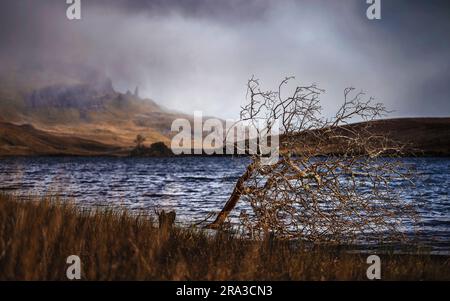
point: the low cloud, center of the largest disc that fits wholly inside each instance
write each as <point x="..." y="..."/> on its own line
<point x="198" y="55"/>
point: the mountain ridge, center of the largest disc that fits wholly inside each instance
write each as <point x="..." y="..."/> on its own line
<point x="85" y="114"/>
<point x="87" y="108"/>
<point x="421" y="136"/>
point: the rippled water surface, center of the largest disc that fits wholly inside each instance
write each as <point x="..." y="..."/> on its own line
<point x="192" y="186"/>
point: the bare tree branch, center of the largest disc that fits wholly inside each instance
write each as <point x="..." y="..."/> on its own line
<point x="331" y="182"/>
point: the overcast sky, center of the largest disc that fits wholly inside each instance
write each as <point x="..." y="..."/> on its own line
<point x="197" y="55"/>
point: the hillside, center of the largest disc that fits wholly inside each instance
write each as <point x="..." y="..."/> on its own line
<point x="417" y="136"/>
<point x="422" y="136"/>
<point x="82" y="113"/>
<point x="82" y="105"/>
<point x="25" y="140"/>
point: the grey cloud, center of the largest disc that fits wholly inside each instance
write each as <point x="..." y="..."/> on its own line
<point x="191" y="55"/>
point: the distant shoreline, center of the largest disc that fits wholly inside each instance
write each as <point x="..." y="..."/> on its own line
<point x="424" y="137"/>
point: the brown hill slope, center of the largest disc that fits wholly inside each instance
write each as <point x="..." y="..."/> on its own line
<point x="418" y="136"/>
<point x="85" y="106"/>
<point x="423" y="136"/>
<point x="69" y="109"/>
<point x="25" y="140"/>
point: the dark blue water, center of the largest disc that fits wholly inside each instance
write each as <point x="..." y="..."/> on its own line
<point x="194" y="186"/>
<point x="191" y="186"/>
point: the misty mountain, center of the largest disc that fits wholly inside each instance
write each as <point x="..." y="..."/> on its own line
<point x="85" y="104"/>
<point x="81" y="96"/>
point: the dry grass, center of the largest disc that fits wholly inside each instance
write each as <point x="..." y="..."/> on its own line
<point x="37" y="237"/>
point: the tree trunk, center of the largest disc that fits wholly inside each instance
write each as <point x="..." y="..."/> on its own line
<point x="234" y="198"/>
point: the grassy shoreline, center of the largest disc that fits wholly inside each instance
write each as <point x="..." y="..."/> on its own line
<point x="37" y="237"/>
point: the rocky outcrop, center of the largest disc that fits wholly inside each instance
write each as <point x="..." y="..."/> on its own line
<point x="158" y="149"/>
<point x="79" y="96"/>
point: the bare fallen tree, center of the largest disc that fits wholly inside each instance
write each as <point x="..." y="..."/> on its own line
<point x="331" y="182"/>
